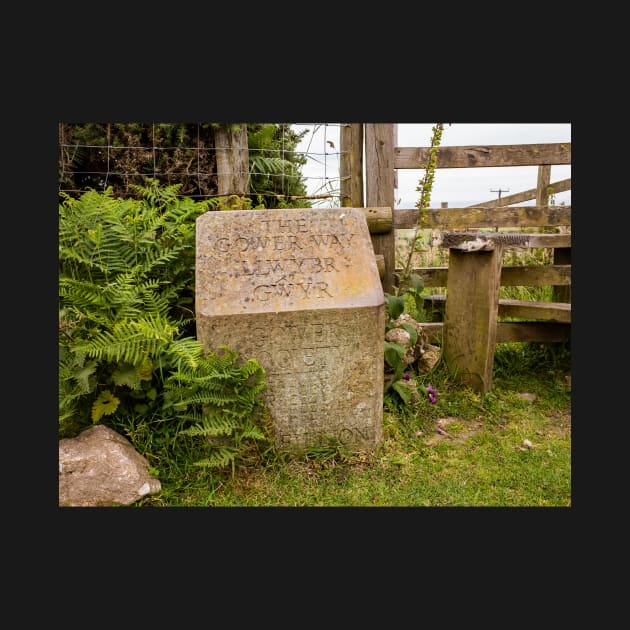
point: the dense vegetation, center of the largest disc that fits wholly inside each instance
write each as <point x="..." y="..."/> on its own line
<point x="123" y="155"/>
<point x="126" y="326"/>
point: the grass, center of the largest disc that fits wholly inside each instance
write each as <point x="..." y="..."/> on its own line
<point x="510" y="447"/>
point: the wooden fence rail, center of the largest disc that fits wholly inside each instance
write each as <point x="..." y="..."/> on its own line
<point x="471" y="329"/>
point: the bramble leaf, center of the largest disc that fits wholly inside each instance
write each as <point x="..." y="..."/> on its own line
<point x="394" y="353"/>
<point x="395" y="305"/>
<point x="404" y="390"/>
<point x="84" y="376"/>
<point x="126" y="375"/>
<point x="105" y="405"/>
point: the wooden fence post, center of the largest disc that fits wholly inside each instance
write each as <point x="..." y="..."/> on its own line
<point x="542" y="186"/>
<point x="232" y="153"/>
<point x="561" y="255"/>
<point x="379" y="188"/>
<point x="470" y="316"/>
<point x="351" y="165"/>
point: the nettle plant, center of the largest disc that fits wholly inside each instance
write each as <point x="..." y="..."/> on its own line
<point x="409" y="292"/>
<point x="126" y="324"/>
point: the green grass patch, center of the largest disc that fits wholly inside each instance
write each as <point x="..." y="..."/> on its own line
<point x="508" y="448"/>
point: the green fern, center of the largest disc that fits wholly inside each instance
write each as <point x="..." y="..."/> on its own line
<point x="126" y="274"/>
<point x="219" y="397"/>
<point x="130" y="341"/>
<point x="220" y="457"/>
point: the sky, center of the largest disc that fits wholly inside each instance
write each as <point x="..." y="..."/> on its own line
<point x="458" y="187"/>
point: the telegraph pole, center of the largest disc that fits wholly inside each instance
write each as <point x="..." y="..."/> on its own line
<point x="500" y="191"/>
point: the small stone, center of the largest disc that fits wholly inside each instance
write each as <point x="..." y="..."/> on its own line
<point x="101" y="468"/>
<point x="527" y="396"/>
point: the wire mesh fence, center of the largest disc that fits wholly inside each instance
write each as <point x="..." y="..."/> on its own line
<point x="300" y="163"/>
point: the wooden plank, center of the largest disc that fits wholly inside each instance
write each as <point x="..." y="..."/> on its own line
<point x="525" y="276"/>
<point x="351" y="165"/>
<point x="557" y="187"/>
<point x="539" y="332"/>
<point x="523" y="309"/>
<point x="432" y="276"/>
<point x="536" y="332"/>
<point x="379" y="220"/>
<point x="379" y="173"/>
<point x="536" y="276"/>
<point x="482" y="156"/>
<point x="470" y="315"/>
<point x="481" y="217"/>
<point x="547" y="311"/>
<point x="435" y="332"/>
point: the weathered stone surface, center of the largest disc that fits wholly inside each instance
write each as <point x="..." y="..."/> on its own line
<point x="99" y="467"/>
<point x="299" y="290"/>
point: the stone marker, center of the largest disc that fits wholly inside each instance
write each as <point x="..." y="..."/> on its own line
<point x="299" y="291"/>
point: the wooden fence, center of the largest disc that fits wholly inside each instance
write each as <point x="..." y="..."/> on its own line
<point x="475" y="271"/>
<point x="470" y="305"/>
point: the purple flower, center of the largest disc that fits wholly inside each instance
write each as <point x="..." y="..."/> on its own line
<point x="432" y="398"/>
<point x="431" y="391"/>
<point x="406" y="377"/>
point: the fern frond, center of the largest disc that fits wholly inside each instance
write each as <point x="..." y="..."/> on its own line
<point x="130" y="341"/>
<point x="156" y="194"/>
<point x="225" y="426"/>
<point x="252" y="432"/>
<point x="219" y="457"/>
<point x="187" y="210"/>
<point x="271" y="165"/>
<point x="186" y="353"/>
<point x="84" y="297"/>
<point x="203" y="397"/>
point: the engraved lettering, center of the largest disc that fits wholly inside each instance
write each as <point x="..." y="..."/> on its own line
<point x="223" y="244"/>
<point x="294" y="242"/>
<point x="344" y="436"/>
<point x="241" y="244"/>
<point x="318" y="239"/>
<point x="283" y="242"/>
<point x="305" y="288"/>
<point x="322" y="287"/>
<point x="263" y="292"/>
<point x="260" y="242"/>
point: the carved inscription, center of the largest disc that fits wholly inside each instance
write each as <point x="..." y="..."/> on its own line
<point x="295" y="272"/>
<point x="324" y="380"/>
<point x="302" y="261"/>
<point x="299" y="291"/>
